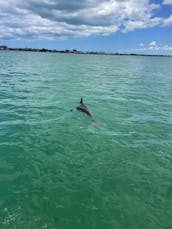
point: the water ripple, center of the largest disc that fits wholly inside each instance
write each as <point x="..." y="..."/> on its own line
<point x="58" y="172"/>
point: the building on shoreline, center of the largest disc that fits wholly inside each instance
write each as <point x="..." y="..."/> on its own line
<point x="3" y="47"/>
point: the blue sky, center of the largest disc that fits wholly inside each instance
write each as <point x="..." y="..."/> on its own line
<point x="126" y="26"/>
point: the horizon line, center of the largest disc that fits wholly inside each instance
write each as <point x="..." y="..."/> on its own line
<point x="75" y="51"/>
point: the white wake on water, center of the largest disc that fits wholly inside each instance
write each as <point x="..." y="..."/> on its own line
<point x="96" y="124"/>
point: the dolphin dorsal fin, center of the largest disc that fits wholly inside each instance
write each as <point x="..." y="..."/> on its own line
<point x="81" y="101"/>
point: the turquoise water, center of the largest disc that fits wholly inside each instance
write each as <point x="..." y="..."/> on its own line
<point x="58" y="171"/>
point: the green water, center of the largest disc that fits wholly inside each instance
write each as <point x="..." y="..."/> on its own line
<point x="59" y="172"/>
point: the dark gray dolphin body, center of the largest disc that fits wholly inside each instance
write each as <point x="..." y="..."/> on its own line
<point x="83" y="108"/>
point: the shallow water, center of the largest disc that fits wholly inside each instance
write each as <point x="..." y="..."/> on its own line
<point x="57" y="170"/>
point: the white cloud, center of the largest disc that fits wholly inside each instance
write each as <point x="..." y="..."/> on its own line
<point x="152" y="44"/>
<point x="168" y="21"/>
<point x="167" y="2"/>
<point x="154" y="48"/>
<point x="141" y="24"/>
<point x="52" y="19"/>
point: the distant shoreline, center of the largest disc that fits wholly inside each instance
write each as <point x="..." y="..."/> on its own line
<point x="74" y="51"/>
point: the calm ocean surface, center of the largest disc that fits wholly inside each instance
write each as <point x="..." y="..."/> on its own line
<point x="59" y="172"/>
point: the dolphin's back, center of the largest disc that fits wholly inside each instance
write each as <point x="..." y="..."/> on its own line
<point x="82" y="107"/>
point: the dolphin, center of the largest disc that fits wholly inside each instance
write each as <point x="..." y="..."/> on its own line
<point x="83" y="108"/>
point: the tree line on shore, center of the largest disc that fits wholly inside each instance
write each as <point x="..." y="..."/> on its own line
<point x="74" y="51"/>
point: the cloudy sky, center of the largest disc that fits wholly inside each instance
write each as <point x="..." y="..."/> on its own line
<point x="140" y="26"/>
